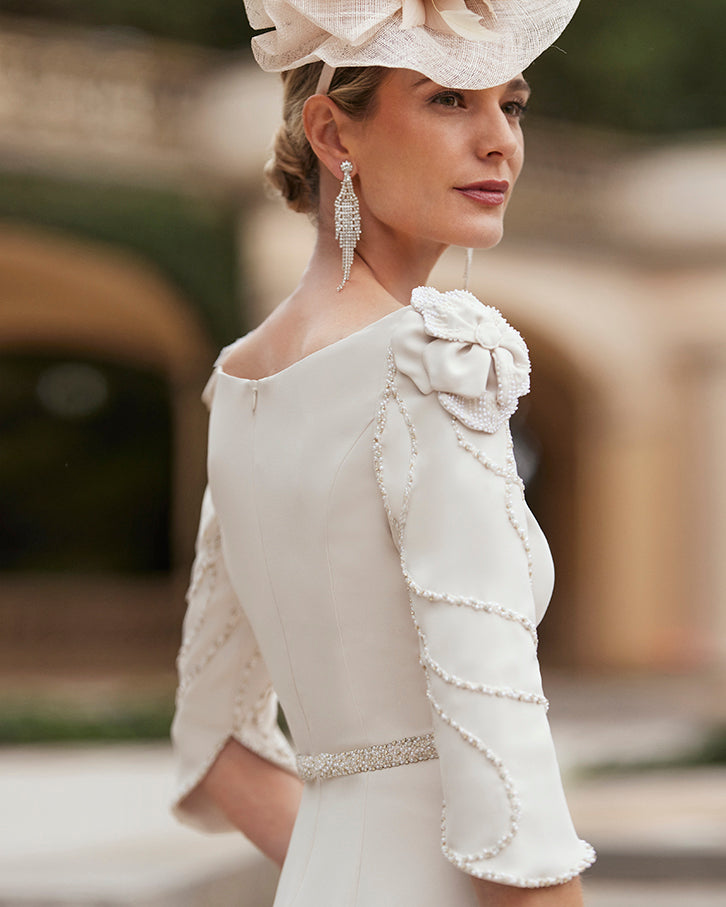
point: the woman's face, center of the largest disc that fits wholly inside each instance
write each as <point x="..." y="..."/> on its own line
<point x="438" y="164"/>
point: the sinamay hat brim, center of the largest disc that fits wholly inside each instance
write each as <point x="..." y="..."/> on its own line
<point x="369" y="33"/>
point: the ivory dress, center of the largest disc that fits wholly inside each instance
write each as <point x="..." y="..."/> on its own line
<point x="365" y="551"/>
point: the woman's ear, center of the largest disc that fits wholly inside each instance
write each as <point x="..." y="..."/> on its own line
<point x="325" y="124"/>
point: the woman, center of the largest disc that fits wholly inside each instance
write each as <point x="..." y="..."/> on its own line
<point x="363" y="504"/>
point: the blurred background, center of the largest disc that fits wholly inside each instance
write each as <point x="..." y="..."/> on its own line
<point x="136" y="239"/>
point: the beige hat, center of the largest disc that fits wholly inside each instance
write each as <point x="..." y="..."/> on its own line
<point x="467" y="45"/>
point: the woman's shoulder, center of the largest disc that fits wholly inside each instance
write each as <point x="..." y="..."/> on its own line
<point x="257" y="353"/>
<point x="281" y="348"/>
<point x="292" y="333"/>
<point x="447" y="343"/>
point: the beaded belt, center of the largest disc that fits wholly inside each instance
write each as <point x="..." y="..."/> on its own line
<point x="367" y="758"/>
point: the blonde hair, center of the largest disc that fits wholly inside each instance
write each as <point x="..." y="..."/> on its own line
<point x="293" y="168"/>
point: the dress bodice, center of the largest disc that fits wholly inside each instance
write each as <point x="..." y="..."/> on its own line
<point x="308" y="548"/>
<point x="366" y="550"/>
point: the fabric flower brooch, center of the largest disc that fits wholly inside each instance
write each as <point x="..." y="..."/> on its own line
<point x="467" y="353"/>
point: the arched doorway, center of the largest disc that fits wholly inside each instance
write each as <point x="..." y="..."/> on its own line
<point x="76" y="319"/>
<point x="600" y="416"/>
<point x="545" y="425"/>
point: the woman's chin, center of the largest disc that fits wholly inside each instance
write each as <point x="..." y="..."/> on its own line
<point x="480" y="240"/>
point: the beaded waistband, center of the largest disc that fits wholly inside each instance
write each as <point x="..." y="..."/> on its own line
<point x="367" y="758"/>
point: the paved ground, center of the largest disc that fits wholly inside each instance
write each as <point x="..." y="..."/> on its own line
<point x="622" y="894"/>
<point x="89" y="827"/>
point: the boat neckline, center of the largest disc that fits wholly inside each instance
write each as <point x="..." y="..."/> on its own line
<point x="328" y="348"/>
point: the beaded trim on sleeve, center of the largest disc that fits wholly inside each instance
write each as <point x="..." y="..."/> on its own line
<point x="248" y="720"/>
<point x="246" y="727"/>
<point x="508" y="473"/>
<point x="511" y="481"/>
<point x="203" y="570"/>
<point x="190" y="675"/>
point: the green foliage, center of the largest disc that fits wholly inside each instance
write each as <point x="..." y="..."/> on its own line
<point x="51" y="721"/>
<point x="651" y="66"/>
<point x="215" y="23"/>
<point x="191" y="240"/>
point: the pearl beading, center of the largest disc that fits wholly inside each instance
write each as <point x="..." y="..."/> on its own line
<point x="204" y="568"/>
<point x="470" y="686"/>
<point x="239" y="714"/>
<point x="248" y="726"/>
<point x="241" y="730"/>
<point x="512" y="480"/>
<point x="508" y="473"/>
<point x="250" y="718"/>
<point x="481" y="413"/>
<point x="515" y="808"/>
<point x="195" y="670"/>
<point x="475" y="604"/>
<point x="377" y="756"/>
<point x="459" y="317"/>
<point x="463" y="860"/>
<point x="509" y="504"/>
<point x="506" y="878"/>
<point x="390" y="392"/>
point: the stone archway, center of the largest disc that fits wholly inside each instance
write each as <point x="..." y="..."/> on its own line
<point x="59" y="294"/>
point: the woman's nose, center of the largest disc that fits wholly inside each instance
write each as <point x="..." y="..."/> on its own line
<point x="498" y="135"/>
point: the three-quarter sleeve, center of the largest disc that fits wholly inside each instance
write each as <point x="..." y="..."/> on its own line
<point x="224" y="689"/>
<point x="446" y="471"/>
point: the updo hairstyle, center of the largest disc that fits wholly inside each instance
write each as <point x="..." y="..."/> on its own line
<point x="293" y="168"/>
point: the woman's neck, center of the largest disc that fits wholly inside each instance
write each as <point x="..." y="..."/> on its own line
<point x="385" y="263"/>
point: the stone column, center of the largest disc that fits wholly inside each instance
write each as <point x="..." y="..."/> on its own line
<point x="705" y="473"/>
<point x="629" y="573"/>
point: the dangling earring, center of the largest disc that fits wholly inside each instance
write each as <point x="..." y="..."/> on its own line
<point x="347" y="220"/>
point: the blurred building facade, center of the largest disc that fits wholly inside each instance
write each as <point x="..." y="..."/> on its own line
<point x="613" y="269"/>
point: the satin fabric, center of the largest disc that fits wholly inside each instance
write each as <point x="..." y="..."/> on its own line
<point x="318" y="545"/>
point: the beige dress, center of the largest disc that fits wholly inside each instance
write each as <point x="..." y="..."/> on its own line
<point x="365" y="551"/>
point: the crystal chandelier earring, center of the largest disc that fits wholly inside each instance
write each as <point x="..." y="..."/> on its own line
<point x="347" y="220"/>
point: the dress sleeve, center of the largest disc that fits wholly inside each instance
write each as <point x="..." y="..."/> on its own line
<point x="224" y="689"/>
<point x="445" y="467"/>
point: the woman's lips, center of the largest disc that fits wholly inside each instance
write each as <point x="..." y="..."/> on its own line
<point x="490" y="192"/>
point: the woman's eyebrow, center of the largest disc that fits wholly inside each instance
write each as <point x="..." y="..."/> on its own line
<point x="519" y="85"/>
<point x="422" y="81"/>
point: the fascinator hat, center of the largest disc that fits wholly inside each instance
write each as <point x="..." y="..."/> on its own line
<point x="464" y="44"/>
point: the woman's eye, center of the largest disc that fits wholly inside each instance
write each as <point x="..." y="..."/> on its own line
<point x="516" y="109"/>
<point x="449" y="99"/>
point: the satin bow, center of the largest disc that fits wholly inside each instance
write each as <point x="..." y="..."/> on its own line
<point x="467" y="353"/>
